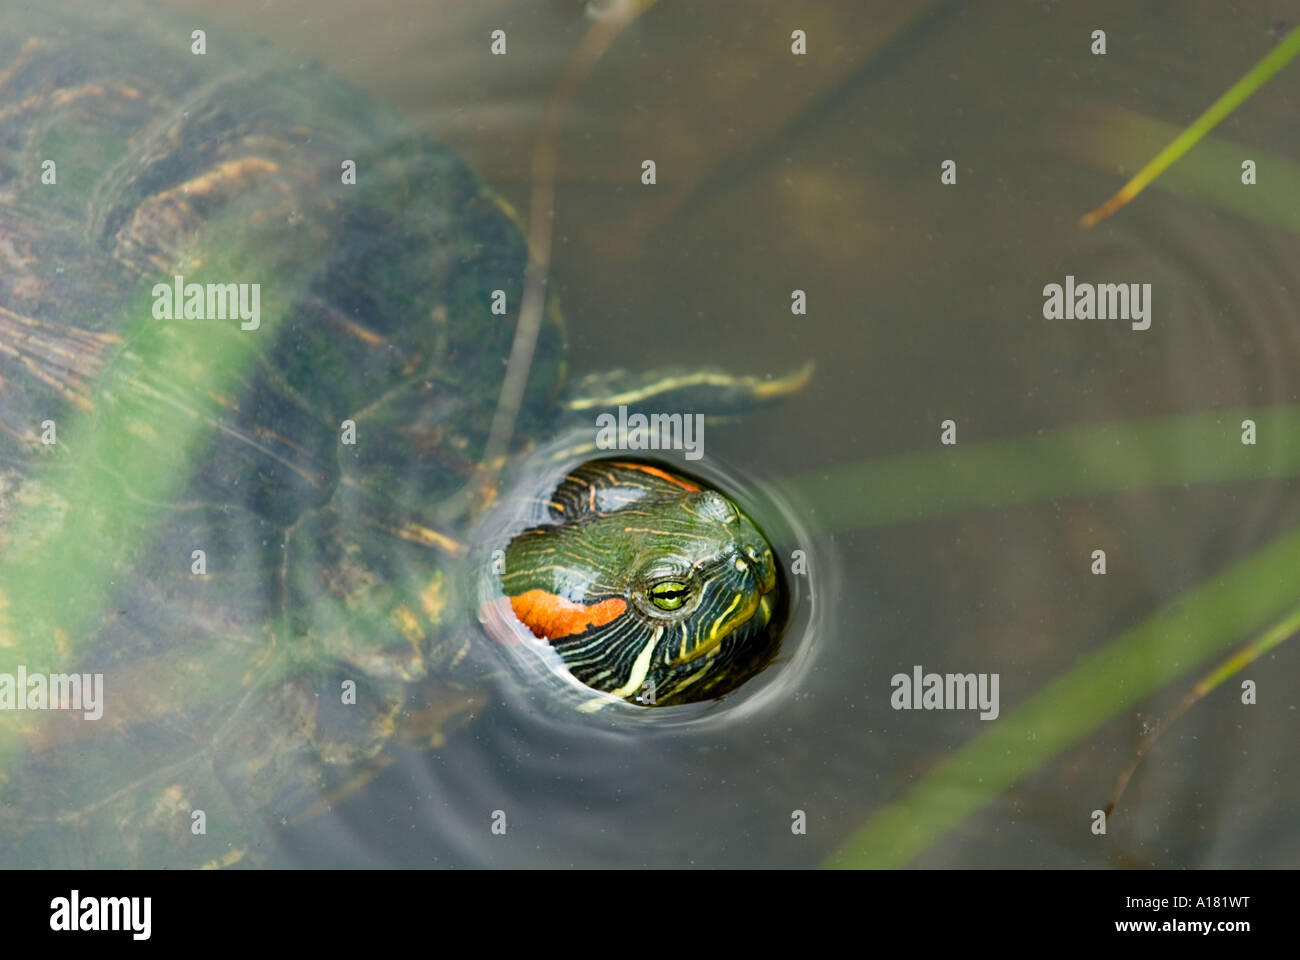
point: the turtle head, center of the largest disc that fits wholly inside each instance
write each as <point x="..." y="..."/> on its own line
<point x="651" y="586"/>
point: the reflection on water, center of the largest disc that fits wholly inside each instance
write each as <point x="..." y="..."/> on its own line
<point x="822" y="174"/>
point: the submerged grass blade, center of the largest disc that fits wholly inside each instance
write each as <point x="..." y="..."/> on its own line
<point x="1132" y="455"/>
<point x="158" y="401"/>
<point x="1236" y="95"/>
<point x="1272" y="638"/>
<point x="1140" y="661"/>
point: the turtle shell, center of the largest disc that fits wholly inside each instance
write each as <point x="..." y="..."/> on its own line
<point x="246" y="522"/>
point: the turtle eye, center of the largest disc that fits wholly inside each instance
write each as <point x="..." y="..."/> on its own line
<point x="669" y="594"/>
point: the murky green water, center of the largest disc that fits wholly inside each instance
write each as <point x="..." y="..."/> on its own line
<point x="822" y="173"/>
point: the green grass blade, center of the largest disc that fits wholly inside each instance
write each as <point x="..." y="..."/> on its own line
<point x="1096" y="135"/>
<point x="1197" y="625"/>
<point x="157" y="402"/>
<point x="1237" y="94"/>
<point x="1131" y="455"/>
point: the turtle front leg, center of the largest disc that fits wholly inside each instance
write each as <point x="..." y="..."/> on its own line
<point x="711" y="391"/>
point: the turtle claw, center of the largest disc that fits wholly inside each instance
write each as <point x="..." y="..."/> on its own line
<point x="708" y="390"/>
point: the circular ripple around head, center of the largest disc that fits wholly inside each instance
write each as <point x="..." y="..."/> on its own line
<point x="624" y="784"/>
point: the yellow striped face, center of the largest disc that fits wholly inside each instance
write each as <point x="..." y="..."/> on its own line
<point x="651" y="585"/>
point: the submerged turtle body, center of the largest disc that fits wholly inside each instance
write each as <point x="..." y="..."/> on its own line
<point x="255" y="555"/>
<point x="253" y="524"/>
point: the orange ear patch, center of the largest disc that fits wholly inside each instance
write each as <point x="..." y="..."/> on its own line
<point x="551" y="617"/>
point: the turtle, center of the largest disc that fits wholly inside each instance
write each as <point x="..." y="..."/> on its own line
<point x="249" y="524"/>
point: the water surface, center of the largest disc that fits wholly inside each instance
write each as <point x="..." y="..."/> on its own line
<point x="821" y="173"/>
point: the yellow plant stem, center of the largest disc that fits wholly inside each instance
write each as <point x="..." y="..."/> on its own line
<point x="1236" y="95"/>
